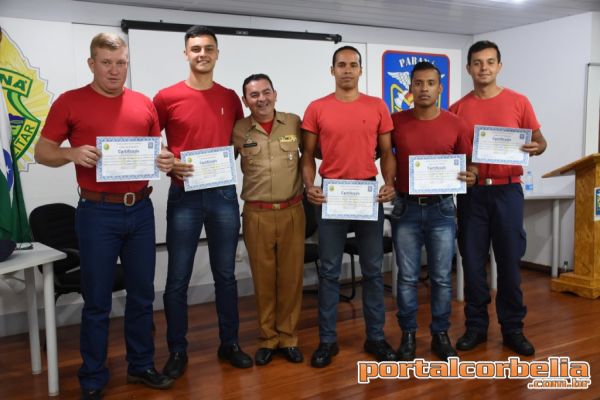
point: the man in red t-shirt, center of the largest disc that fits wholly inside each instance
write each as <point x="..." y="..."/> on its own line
<point x="349" y="126"/>
<point x="114" y="219"/>
<point x="425" y="220"/>
<point x="198" y="113"/>
<point x="492" y="210"/>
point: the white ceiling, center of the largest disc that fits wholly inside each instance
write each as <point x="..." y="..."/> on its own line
<point x="452" y="16"/>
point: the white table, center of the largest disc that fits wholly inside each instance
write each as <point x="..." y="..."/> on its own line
<point x="27" y="260"/>
<point x="555" y="244"/>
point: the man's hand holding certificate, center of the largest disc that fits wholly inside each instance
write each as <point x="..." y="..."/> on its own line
<point x="498" y="145"/>
<point x="127" y="158"/>
<point x="350" y="199"/>
<point x="436" y="174"/>
<point x="213" y="167"/>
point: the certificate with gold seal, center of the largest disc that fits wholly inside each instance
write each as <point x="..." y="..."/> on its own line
<point x="350" y="199"/>
<point x="436" y="174"/>
<point x="213" y="167"/>
<point x="127" y="158"/>
<point x="500" y="145"/>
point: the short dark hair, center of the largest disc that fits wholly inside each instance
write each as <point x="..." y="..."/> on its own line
<point x="425" y="65"/>
<point x="255" y="77"/>
<point x="482" y="45"/>
<point x="354" y="49"/>
<point x="199" y="30"/>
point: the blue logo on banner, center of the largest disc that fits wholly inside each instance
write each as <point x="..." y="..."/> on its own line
<point x="396" y="78"/>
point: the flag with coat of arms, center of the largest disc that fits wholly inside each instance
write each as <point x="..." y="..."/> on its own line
<point x="13" y="216"/>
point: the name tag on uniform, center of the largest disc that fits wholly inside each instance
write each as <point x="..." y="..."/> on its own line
<point x="288" y="138"/>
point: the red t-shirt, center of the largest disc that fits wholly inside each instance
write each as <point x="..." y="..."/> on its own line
<point x="445" y="134"/>
<point x="197" y="119"/>
<point x="82" y="114"/>
<point x="507" y="109"/>
<point x="347" y="134"/>
<point x="267" y="126"/>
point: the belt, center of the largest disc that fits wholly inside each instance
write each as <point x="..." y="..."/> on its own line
<point x="499" y="181"/>
<point x="128" y="199"/>
<point x="425" y="200"/>
<point x="275" y="206"/>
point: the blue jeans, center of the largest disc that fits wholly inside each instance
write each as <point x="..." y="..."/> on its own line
<point x="107" y="231"/>
<point x="332" y="237"/>
<point x="218" y="210"/>
<point x="492" y="214"/>
<point x="434" y="226"/>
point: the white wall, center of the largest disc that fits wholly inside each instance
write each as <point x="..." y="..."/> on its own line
<point x="547" y="62"/>
<point x="12" y="317"/>
<point x="595" y="42"/>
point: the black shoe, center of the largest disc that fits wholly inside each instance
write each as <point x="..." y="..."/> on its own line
<point x="91" y="394"/>
<point x="441" y="346"/>
<point x="292" y="354"/>
<point x="380" y="349"/>
<point x="263" y="356"/>
<point x="408" y="347"/>
<point x="323" y="354"/>
<point x="151" y="378"/>
<point x="234" y="354"/>
<point x="518" y="343"/>
<point x="176" y="364"/>
<point x="470" y="339"/>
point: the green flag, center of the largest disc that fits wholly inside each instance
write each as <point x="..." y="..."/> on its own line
<point x="13" y="216"/>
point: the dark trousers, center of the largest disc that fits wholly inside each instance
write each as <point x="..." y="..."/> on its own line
<point x="106" y="232"/>
<point x="492" y="214"/>
<point x="218" y="211"/>
<point x="332" y="237"/>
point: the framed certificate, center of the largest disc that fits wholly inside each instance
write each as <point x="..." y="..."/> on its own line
<point x="498" y="145"/>
<point x="350" y="199"/>
<point x="213" y="167"/>
<point x="436" y="174"/>
<point x="127" y="158"/>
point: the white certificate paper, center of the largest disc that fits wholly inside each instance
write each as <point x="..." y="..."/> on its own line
<point x="436" y="174"/>
<point x="498" y="145"/>
<point x="213" y="167"/>
<point x="127" y="158"/>
<point x="350" y="199"/>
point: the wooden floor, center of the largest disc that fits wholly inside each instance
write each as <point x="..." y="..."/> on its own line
<point x="557" y="324"/>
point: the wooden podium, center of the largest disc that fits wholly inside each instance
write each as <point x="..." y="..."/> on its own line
<point x="585" y="279"/>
